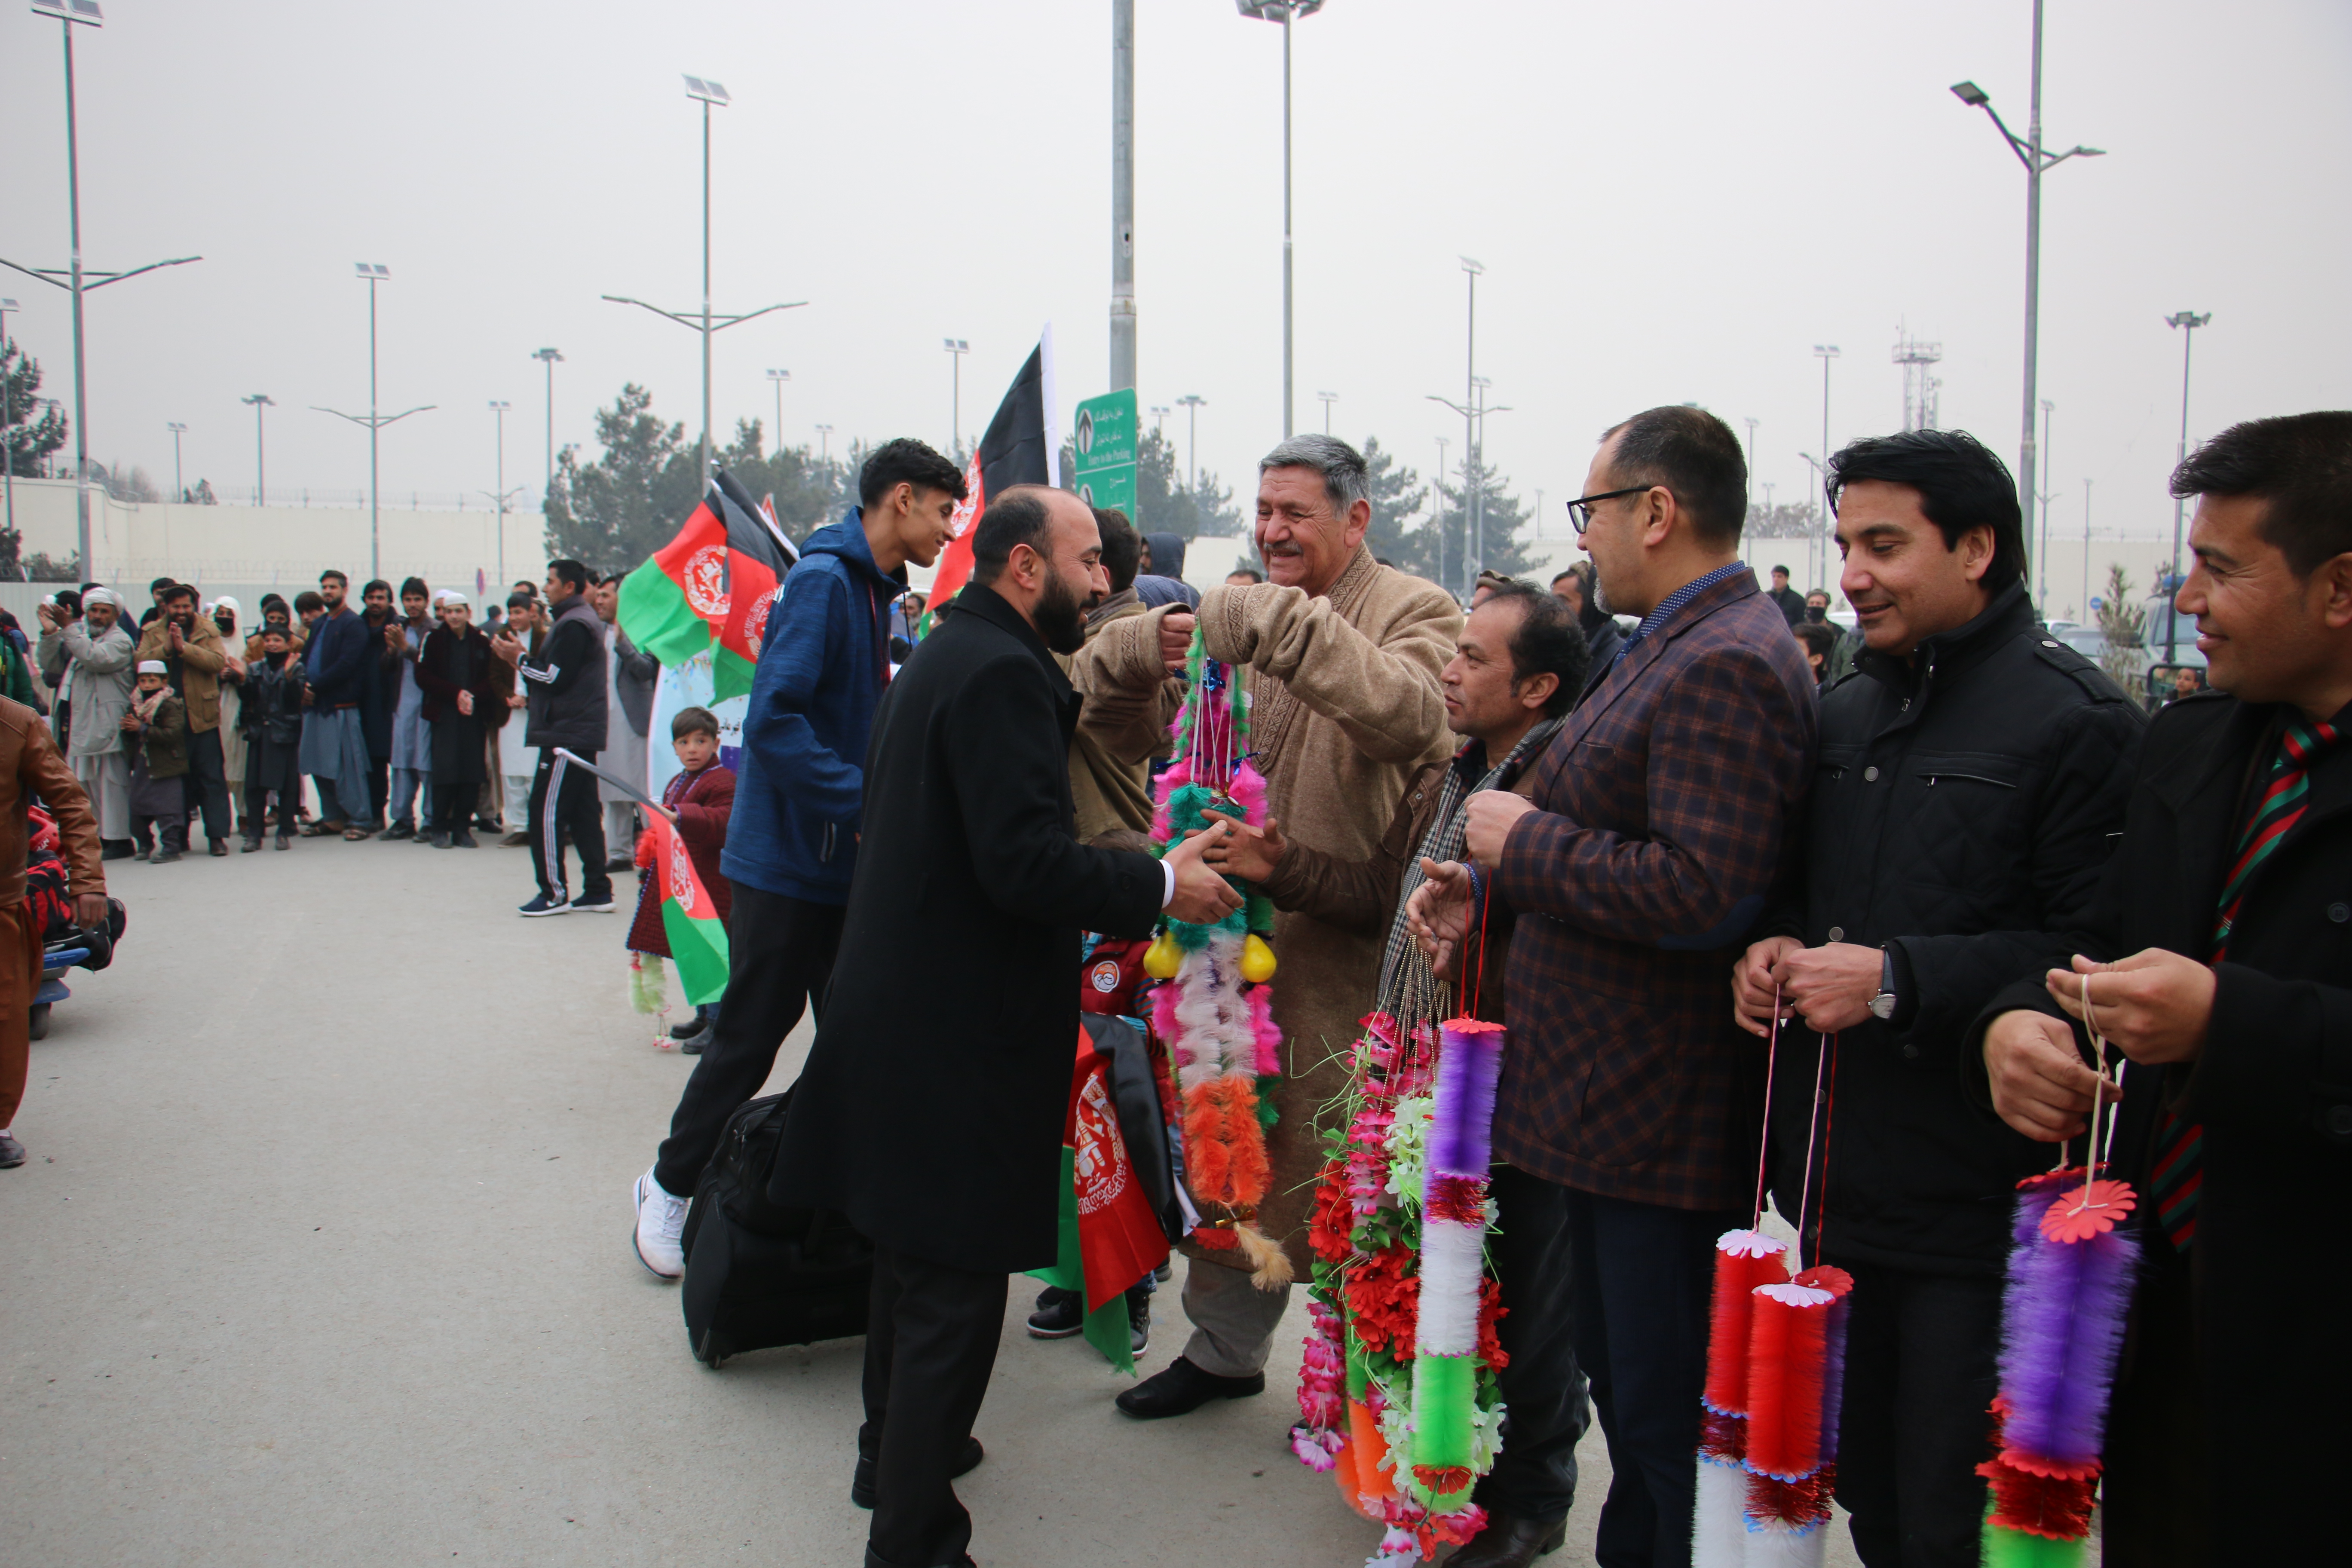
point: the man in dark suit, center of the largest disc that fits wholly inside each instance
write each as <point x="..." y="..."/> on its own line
<point x="940" y="1136"/>
<point x="1661" y="817"/>
<point x="2228" y="910"/>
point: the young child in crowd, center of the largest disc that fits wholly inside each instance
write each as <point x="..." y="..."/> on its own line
<point x="698" y="801"/>
<point x="155" y="733"/>
<point x="272" y="718"/>
<point x="1110" y="982"/>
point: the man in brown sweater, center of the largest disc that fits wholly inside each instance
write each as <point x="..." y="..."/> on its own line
<point x="1343" y="657"/>
<point x="30" y="764"/>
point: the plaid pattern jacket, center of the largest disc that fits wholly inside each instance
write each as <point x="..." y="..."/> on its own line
<point x="1665" y="819"/>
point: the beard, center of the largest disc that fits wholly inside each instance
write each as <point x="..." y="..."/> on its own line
<point x="1817" y="614"/>
<point x="1058" y="617"/>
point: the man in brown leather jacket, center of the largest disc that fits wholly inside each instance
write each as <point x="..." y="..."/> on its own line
<point x="30" y="764"/>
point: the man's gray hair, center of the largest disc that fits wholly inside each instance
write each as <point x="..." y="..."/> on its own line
<point x="1345" y="481"/>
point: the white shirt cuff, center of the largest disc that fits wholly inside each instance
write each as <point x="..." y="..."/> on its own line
<point x="1167" y="884"/>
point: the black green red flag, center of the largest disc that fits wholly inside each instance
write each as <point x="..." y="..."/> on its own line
<point x="1110" y="1238"/>
<point x="1017" y="449"/>
<point x="714" y="583"/>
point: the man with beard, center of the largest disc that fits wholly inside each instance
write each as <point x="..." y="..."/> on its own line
<point x="99" y="655"/>
<point x="943" y="1145"/>
<point x="412" y="734"/>
<point x="1601" y="634"/>
<point x="380" y="694"/>
<point x="1343" y="656"/>
<point x="190" y="649"/>
<point x="792" y="834"/>
<point x="336" y="669"/>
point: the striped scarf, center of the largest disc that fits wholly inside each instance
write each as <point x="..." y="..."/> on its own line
<point x="2178" y="1173"/>
<point x="1443" y="843"/>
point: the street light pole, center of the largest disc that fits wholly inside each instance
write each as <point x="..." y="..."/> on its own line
<point x="2188" y="321"/>
<point x="498" y="410"/>
<point x="258" y="401"/>
<point x="1751" y="425"/>
<point x="179" y="479"/>
<point x="2041" y="576"/>
<point x="1191" y="403"/>
<point x="1328" y="398"/>
<point x="1826" y="353"/>
<point x="823" y="443"/>
<point x="1122" y="194"/>
<point x="549" y="357"/>
<point x="1283" y="11"/>
<point x="777" y="379"/>
<point x="2037" y="163"/>
<point x="957" y="348"/>
<point x="372" y="273"/>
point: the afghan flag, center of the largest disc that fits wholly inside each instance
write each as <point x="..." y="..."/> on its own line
<point x="698" y="940"/>
<point x="1110" y="1238"/>
<point x="716" y="582"/>
<point x="1018" y="450"/>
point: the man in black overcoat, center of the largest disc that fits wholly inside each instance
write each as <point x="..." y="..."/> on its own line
<point x="937" y="1130"/>
<point x="2227" y="910"/>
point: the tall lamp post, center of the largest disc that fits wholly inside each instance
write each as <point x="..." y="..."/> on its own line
<point x="76" y="279"/>
<point x="1474" y="476"/>
<point x="2037" y="163"/>
<point x="7" y="422"/>
<point x="550" y="358"/>
<point x="825" y="443"/>
<point x="1821" y="495"/>
<point x="956" y="347"/>
<point x="501" y="495"/>
<point x="2188" y="321"/>
<point x="179" y="485"/>
<point x="1160" y="412"/>
<point x="1283" y="11"/>
<point x="776" y="378"/>
<point x="1191" y="403"/>
<point x="371" y="273"/>
<point x="1751" y="425"/>
<point x="708" y="94"/>
<point x="1824" y="352"/>
<point x="2041" y="572"/>
<point x="1328" y="398"/>
<point x="1122" y="194"/>
<point x="258" y="401"/>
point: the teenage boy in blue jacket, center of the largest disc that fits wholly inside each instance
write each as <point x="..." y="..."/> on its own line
<point x="792" y="841"/>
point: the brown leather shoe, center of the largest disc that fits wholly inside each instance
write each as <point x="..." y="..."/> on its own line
<point x="1509" y="1541"/>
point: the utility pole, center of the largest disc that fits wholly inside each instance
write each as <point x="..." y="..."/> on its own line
<point x="372" y="273"/>
<point x="261" y="467"/>
<point x="1122" y="194"/>
<point x="551" y="359"/>
<point x="708" y="94"/>
<point x="2037" y="163"/>
<point x="2188" y="321"/>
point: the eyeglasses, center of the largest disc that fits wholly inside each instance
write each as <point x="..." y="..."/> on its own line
<point x="1579" y="510"/>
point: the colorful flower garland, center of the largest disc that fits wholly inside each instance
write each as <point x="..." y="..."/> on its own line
<point x="1213" y="1007"/>
<point x="1398" y="1395"/>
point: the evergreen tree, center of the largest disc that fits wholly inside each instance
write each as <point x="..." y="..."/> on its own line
<point x="613" y="514"/>
<point x="809" y="491"/>
<point x="1164" y="503"/>
<point x="28" y="441"/>
<point x="1436" y="549"/>
<point x="1398" y="496"/>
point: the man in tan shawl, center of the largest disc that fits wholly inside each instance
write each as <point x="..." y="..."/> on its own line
<point x="1344" y="654"/>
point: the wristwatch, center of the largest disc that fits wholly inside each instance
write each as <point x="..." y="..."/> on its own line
<point x="1882" y="1006"/>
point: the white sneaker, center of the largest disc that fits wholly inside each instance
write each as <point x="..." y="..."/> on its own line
<point x="661" y="1220"/>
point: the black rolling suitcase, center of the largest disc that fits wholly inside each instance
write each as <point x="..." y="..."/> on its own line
<point x="758" y="1273"/>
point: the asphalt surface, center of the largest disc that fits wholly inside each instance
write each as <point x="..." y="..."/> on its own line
<point x="322" y="1257"/>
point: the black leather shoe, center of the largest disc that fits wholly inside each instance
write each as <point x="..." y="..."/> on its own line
<point x="861" y="1480"/>
<point x="874" y="1561"/>
<point x="1181" y="1388"/>
<point x="1510" y="1542"/>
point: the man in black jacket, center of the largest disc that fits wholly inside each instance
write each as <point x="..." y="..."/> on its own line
<point x="565" y="689"/>
<point x="1972" y="778"/>
<point x="941" y="1139"/>
<point x="2231" y="895"/>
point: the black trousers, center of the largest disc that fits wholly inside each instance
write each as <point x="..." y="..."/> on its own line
<point x="453" y="805"/>
<point x="206" y="785"/>
<point x="379" y="788"/>
<point x="1544" y="1398"/>
<point x="2156" y="1496"/>
<point x="258" y="784"/>
<point x="576" y="811"/>
<point x="780" y="955"/>
<point x="931" y="1345"/>
<point x="1919" y="1377"/>
<point x="1641" y="1283"/>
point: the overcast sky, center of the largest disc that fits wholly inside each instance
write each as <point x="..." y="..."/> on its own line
<point x="1673" y="201"/>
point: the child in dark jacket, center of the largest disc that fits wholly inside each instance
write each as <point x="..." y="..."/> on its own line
<point x="155" y="733"/>
<point x="700" y="800"/>
<point x="271" y="717"/>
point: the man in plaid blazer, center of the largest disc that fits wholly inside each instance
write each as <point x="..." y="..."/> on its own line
<point x="1660" y="821"/>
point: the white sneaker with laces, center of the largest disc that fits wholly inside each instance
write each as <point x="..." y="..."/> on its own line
<point x="661" y="1220"/>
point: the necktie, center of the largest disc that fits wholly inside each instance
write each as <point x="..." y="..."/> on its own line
<point x="2178" y="1172"/>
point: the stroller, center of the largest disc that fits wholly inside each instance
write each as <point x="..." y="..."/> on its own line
<point x="64" y="944"/>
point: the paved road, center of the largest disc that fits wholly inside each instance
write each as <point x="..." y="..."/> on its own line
<point x="321" y="1259"/>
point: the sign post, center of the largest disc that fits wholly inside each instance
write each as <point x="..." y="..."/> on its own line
<point x="1106" y="438"/>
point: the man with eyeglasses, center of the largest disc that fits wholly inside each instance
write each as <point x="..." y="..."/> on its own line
<point x="1662" y="815"/>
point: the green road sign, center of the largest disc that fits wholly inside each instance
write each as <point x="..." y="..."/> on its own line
<point x="1106" y="438"/>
